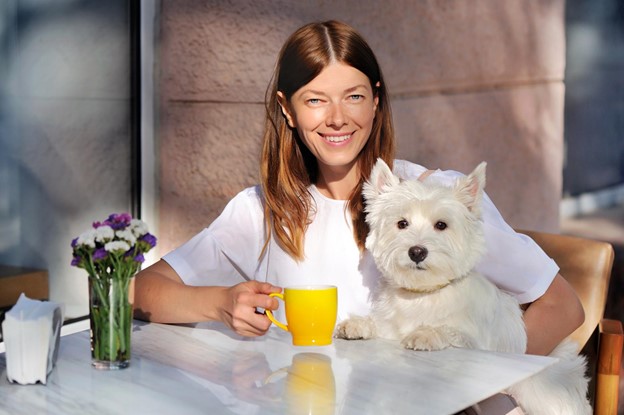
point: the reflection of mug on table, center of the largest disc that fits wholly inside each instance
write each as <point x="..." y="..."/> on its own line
<point x="310" y="313"/>
<point x="310" y="386"/>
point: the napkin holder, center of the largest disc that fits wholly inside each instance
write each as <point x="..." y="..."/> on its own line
<point x="31" y="330"/>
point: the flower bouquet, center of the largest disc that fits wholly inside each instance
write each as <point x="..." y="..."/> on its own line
<point x="111" y="253"/>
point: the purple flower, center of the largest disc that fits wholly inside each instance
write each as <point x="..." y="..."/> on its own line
<point x="99" y="253"/>
<point x="74" y="242"/>
<point x="150" y="239"/>
<point x="76" y="261"/>
<point x="139" y="258"/>
<point x="118" y="221"/>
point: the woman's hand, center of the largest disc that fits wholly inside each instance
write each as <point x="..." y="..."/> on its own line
<point x="239" y="312"/>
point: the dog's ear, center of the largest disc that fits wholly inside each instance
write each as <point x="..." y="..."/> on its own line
<point x="469" y="189"/>
<point x="380" y="180"/>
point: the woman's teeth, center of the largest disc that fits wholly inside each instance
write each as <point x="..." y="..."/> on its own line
<point x="338" y="138"/>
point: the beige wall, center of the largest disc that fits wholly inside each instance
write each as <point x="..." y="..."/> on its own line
<point x="469" y="81"/>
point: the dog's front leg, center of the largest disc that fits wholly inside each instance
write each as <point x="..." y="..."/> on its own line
<point x="356" y="328"/>
<point x="436" y="338"/>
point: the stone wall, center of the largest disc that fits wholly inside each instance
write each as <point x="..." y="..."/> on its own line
<point x="469" y="81"/>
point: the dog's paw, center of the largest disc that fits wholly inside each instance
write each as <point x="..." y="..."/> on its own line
<point x="434" y="338"/>
<point x="356" y="328"/>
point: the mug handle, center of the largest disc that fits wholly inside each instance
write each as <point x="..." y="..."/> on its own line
<point x="270" y="314"/>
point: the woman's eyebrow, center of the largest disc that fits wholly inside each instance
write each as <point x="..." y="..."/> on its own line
<point x="355" y="88"/>
<point x="312" y="91"/>
<point x="346" y="91"/>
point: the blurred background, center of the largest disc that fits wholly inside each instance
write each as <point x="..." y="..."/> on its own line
<point x="156" y="108"/>
<point x="66" y="132"/>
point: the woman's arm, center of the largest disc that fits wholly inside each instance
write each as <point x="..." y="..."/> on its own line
<point x="552" y="317"/>
<point x="160" y="295"/>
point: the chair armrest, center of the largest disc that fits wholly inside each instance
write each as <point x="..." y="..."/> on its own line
<point x="609" y="364"/>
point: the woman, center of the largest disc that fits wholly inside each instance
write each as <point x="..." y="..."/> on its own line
<point x="328" y="120"/>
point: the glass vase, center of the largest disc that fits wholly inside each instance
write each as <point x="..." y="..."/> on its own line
<point x="110" y="315"/>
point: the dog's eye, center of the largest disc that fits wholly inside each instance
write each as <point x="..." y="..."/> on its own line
<point x="441" y="225"/>
<point x="402" y="224"/>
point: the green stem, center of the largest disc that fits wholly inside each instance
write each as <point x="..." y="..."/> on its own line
<point x="111" y="314"/>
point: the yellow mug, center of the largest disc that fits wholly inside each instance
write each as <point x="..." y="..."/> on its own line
<point x="310" y="313"/>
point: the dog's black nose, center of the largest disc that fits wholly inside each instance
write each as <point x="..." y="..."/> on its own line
<point x="417" y="253"/>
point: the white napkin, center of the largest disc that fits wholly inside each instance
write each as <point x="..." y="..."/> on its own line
<point x="31" y="332"/>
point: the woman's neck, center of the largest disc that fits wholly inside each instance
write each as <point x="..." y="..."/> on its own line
<point x="337" y="182"/>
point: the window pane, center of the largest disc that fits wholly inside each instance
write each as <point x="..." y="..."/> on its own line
<point x="65" y="132"/>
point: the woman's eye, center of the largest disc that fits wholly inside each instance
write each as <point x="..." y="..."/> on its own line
<point x="402" y="224"/>
<point x="314" y="101"/>
<point x="356" y="97"/>
<point x="440" y="225"/>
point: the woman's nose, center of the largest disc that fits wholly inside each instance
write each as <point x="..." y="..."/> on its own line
<point x="337" y="116"/>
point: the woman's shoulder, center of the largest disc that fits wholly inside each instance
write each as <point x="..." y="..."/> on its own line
<point x="408" y="170"/>
<point x="250" y="194"/>
<point x="244" y="212"/>
<point x="248" y="201"/>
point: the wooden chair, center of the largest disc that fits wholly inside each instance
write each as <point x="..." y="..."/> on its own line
<point x="586" y="264"/>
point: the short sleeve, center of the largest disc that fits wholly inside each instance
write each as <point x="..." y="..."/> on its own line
<point x="513" y="261"/>
<point x="227" y="252"/>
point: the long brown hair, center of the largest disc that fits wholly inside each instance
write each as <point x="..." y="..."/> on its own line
<point x="287" y="166"/>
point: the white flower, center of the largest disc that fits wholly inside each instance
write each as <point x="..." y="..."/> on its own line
<point x="127" y="236"/>
<point x="116" y="246"/>
<point x="138" y="227"/>
<point x="104" y="233"/>
<point x="87" y="238"/>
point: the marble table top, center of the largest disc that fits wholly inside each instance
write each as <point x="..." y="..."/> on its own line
<point x="206" y="369"/>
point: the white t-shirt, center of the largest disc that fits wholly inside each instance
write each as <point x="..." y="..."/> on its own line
<point x="228" y="251"/>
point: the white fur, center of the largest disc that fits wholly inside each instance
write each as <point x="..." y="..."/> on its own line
<point x="437" y="300"/>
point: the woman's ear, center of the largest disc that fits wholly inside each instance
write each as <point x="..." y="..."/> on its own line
<point x="376" y="95"/>
<point x="283" y="102"/>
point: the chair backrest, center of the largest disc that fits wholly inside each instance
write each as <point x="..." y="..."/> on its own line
<point x="586" y="264"/>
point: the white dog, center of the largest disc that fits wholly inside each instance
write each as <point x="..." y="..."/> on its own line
<point x="426" y="239"/>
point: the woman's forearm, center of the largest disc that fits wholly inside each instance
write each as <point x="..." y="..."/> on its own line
<point x="161" y="296"/>
<point x="552" y="317"/>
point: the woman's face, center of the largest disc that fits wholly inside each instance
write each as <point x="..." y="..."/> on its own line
<point x="333" y="115"/>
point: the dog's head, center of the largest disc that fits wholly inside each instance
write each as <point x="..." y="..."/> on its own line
<point x="424" y="235"/>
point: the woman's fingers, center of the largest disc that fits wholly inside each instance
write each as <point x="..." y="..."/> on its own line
<point x="253" y="325"/>
<point x="246" y="297"/>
